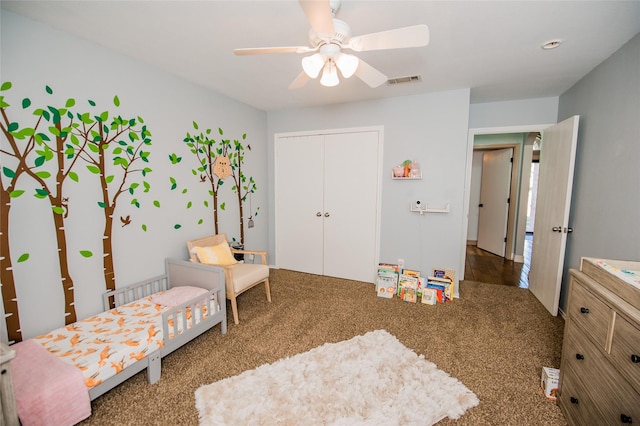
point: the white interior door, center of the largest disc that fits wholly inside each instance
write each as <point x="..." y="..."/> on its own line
<point x="494" y="200"/>
<point x="555" y="183"/>
<point x="350" y="201"/>
<point x="299" y="175"/>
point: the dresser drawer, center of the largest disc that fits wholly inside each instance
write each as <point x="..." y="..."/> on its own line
<point x="575" y="401"/>
<point x="589" y="312"/>
<point x="599" y="381"/>
<point x="625" y="351"/>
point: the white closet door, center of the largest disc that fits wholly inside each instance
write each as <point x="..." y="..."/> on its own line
<point x="299" y="209"/>
<point x="350" y="205"/>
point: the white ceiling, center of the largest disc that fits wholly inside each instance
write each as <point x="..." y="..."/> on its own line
<point x="492" y="47"/>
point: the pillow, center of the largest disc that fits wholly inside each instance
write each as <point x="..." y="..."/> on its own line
<point x="215" y="255"/>
<point x="178" y="295"/>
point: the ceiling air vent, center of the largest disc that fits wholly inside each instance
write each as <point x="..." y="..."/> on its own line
<point x="402" y="80"/>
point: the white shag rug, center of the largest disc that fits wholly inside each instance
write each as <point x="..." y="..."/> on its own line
<point x="371" y="379"/>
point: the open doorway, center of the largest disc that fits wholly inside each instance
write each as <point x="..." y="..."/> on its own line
<point x="510" y="267"/>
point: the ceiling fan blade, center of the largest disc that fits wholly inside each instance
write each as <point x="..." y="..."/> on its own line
<point x="416" y="36"/>
<point x="370" y="75"/>
<point x="266" y="50"/>
<point x="300" y="81"/>
<point x="319" y="15"/>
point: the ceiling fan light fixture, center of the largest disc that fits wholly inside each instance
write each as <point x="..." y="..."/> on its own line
<point x="347" y="64"/>
<point x="329" y="75"/>
<point x="313" y="64"/>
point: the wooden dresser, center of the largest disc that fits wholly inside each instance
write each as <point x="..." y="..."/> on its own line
<point x="600" y="368"/>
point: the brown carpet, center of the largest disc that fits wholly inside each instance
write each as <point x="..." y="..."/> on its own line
<point x="495" y="339"/>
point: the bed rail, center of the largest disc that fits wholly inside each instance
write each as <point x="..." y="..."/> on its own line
<point x="128" y="294"/>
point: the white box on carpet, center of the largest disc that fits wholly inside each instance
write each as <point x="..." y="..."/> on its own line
<point x="549" y="382"/>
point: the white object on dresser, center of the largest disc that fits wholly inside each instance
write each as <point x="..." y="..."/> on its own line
<point x="600" y="368"/>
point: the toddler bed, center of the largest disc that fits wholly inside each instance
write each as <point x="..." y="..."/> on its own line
<point x="58" y="373"/>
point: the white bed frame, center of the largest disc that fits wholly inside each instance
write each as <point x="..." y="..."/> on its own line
<point x="178" y="273"/>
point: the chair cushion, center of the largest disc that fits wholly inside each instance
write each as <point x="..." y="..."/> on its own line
<point x="247" y="274"/>
<point x="219" y="254"/>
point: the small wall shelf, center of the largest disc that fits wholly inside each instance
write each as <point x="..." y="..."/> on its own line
<point x="406" y="178"/>
<point x="428" y="209"/>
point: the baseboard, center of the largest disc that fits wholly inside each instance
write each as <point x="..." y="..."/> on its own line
<point x="472" y="242"/>
<point x="518" y="258"/>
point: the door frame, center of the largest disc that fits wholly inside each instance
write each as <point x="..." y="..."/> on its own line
<point x="380" y="130"/>
<point x="473" y="132"/>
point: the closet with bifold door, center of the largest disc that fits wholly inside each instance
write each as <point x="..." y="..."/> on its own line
<point x="327" y="202"/>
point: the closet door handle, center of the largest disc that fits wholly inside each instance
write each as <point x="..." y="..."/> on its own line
<point x="319" y="214"/>
<point x="327" y="214"/>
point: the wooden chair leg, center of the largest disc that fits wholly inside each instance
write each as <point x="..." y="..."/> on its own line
<point x="267" y="289"/>
<point x="234" y="308"/>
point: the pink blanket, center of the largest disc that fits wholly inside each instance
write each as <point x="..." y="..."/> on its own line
<point x="48" y="391"/>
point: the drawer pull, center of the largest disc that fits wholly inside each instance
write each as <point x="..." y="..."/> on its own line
<point x="625" y="419"/>
<point x="573" y="400"/>
<point x="584" y="310"/>
<point x="580" y="357"/>
<point x="635" y="358"/>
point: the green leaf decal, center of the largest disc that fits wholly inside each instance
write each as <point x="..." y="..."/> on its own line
<point x="144" y="227"/>
<point x="23" y="257"/>
<point x="16" y="193"/>
<point x="8" y="172"/>
<point x="92" y="103"/>
<point x="177" y="226"/>
<point x="189" y="204"/>
<point x="49" y="90"/>
<point x="41" y="193"/>
<point x="222" y="206"/>
<point x="73" y="176"/>
<point x="26" y="103"/>
<point x="5" y="86"/>
<point x="116" y="101"/>
<point x="86" y="253"/>
<point x="93" y="169"/>
<point x="70" y="102"/>
<point x="156" y="203"/>
<point x="200" y="222"/>
<point x="12" y="127"/>
<point x="58" y="210"/>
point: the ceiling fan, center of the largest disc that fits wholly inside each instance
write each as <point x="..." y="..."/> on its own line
<point x="328" y="37"/>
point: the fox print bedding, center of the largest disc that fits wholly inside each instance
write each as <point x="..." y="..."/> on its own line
<point x="105" y="344"/>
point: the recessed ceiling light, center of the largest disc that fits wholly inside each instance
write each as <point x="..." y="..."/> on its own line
<point x="551" y="44"/>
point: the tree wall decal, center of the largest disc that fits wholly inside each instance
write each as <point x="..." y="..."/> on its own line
<point x="242" y="186"/>
<point x="123" y="144"/>
<point x="218" y="160"/>
<point x="206" y="150"/>
<point x="113" y="149"/>
<point x="32" y="148"/>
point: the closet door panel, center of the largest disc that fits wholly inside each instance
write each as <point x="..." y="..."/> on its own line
<point x="298" y="195"/>
<point x="350" y="203"/>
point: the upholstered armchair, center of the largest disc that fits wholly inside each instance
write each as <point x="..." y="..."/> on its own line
<point x="239" y="276"/>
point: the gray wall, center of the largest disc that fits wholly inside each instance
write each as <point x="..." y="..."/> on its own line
<point x="606" y="194"/>
<point x="430" y="128"/>
<point x="34" y="56"/>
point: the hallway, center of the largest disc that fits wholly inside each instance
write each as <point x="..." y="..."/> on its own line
<point x="486" y="267"/>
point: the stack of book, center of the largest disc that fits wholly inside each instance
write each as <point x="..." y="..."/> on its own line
<point x="387" y="280"/>
<point x="410" y="287"/>
<point x="440" y="286"/>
